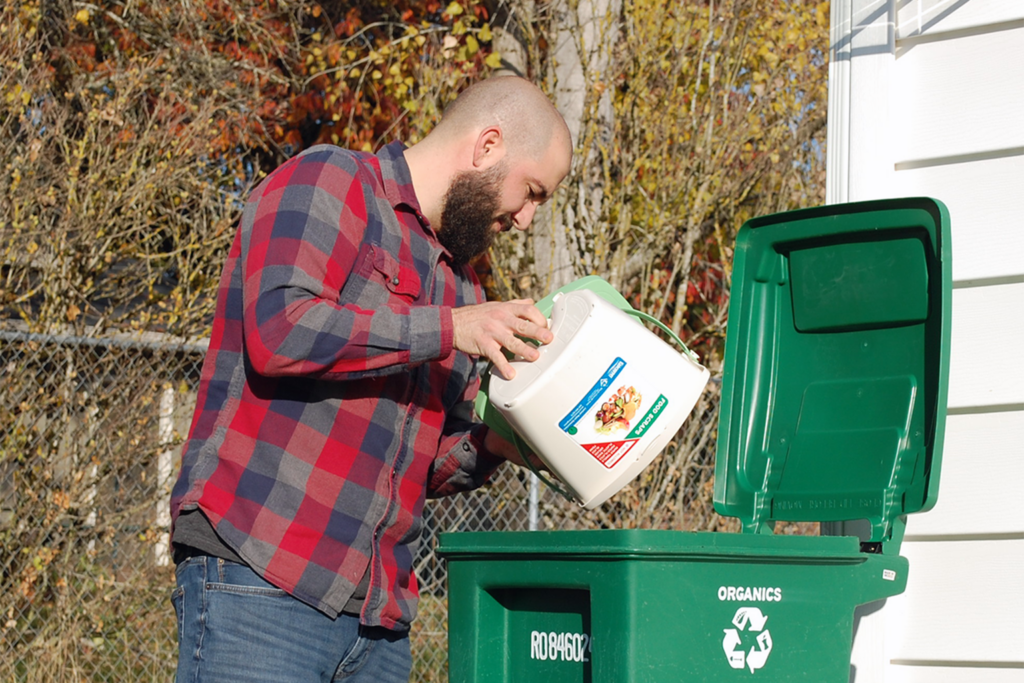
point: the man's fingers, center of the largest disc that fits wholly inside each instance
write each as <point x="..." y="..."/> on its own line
<point x="524" y="349"/>
<point x="502" y="365"/>
<point x="531" y="322"/>
<point x="484" y="329"/>
<point x="532" y="330"/>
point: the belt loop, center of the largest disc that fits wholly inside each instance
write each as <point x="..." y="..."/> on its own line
<point x="220" y="570"/>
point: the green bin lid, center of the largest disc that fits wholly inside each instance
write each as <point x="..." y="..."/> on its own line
<point x="836" y="365"/>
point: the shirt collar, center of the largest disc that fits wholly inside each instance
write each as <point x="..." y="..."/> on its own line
<point x="394" y="171"/>
<point x="398" y="189"/>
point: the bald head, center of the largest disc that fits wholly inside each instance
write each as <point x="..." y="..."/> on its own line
<point x="500" y="139"/>
<point x="528" y="120"/>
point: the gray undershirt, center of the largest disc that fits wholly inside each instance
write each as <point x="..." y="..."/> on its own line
<point x="194" y="530"/>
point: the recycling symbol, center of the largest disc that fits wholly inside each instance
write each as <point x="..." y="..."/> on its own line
<point x="747" y="619"/>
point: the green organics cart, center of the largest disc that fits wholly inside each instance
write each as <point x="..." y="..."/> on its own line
<point x="833" y="408"/>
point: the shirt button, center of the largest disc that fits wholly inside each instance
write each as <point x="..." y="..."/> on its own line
<point x="394" y="280"/>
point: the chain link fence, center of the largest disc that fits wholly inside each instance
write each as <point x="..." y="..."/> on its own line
<point x="90" y="435"/>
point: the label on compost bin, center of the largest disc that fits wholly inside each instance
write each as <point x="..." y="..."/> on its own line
<point x="565" y="647"/>
<point x="614" y="414"/>
<point x="748" y="622"/>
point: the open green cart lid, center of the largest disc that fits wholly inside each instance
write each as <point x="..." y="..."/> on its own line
<point x="836" y="365"/>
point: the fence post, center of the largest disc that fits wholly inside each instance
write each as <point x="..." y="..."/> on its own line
<point x="165" y="430"/>
<point x="89" y="498"/>
<point x="534" y="501"/>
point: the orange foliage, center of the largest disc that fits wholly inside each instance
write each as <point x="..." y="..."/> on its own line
<point x="134" y="125"/>
<point x="345" y="73"/>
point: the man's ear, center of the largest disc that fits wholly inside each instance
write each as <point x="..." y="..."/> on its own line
<point x="489" y="149"/>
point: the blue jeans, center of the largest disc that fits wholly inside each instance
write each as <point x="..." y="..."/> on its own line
<point x="234" y="626"/>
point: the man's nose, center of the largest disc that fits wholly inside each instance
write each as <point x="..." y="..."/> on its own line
<point x="524" y="216"/>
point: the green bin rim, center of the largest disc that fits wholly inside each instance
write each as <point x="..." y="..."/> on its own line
<point x="612" y="544"/>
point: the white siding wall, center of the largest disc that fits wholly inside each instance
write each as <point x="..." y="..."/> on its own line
<point x="927" y="98"/>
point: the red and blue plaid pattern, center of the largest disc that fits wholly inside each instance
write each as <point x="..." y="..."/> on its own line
<point x="331" y="401"/>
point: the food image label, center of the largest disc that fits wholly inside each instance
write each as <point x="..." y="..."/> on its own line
<point x="614" y="414"/>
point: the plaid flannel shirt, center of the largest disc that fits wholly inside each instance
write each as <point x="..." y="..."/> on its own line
<point x="331" y="401"/>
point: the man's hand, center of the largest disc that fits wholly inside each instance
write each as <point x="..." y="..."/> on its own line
<point x="485" y="329"/>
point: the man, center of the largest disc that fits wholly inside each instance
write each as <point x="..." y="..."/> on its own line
<point x="337" y="391"/>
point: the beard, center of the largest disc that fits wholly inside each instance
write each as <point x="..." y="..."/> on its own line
<point x="469" y="211"/>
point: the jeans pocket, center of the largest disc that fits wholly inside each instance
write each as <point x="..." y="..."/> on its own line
<point x="257" y="591"/>
<point x="187" y="563"/>
<point x="239" y="579"/>
<point x="178" y="601"/>
<point x="355" y="658"/>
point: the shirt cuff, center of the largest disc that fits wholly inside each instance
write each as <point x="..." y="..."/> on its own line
<point x="447" y="332"/>
<point x="431" y="333"/>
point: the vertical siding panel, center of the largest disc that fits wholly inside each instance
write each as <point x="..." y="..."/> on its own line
<point x="987" y="354"/>
<point x="946" y="86"/>
<point x="960" y="96"/>
<point x="962" y="604"/>
<point x="986" y="213"/>
<point x="928" y="17"/>
<point x="982" y="471"/>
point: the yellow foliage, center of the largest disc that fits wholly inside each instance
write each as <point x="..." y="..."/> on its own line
<point x="717" y="114"/>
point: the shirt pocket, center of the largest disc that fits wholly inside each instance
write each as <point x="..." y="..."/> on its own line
<point x="398" y="279"/>
<point x="380" y="279"/>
